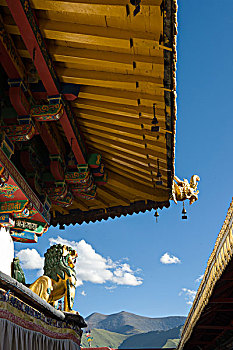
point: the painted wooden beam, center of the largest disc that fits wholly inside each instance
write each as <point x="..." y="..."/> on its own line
<point x="131" y="173"/>
<point x="139" y="158"/>
<point x="133" y="122"/>
<point x="72" y="54"/>
<point x="144" y="168"/>
<point x="139" y="190"/>
<point x="112" y="195"/>
<point x="136" y="135"/>
<point x="72" y="6"/>
<point x="109" y="80"/>
<point x="94" y="35"/>
<point x="121" y="124"/>
<point x="119" y="145"/>
<point x="28" y="28"/>
<point x="10" y="59"/>
<point x="105" y="36"/>
<point x="117" y="96"/>
<point x="110" y="137"/>
<point x="116" y="108"/>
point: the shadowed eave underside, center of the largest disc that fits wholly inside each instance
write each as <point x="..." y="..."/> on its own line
<point x="124" y="64"/>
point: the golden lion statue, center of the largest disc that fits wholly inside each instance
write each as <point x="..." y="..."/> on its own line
<point x="59" y="277"/>
<point x="182" y="190"/>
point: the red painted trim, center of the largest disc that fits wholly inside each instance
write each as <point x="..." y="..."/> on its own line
<point x="34" y="50"/>
<point x="65" y="123"/>
<point x="7" y="63"/>
<point x="32" y="45"/>
<point x="48" y="140"/>
<point x="57" y="170"/>
<point x="19" y="101"/>
<point x="40" y="95"/>
<point x="23" y="185"/>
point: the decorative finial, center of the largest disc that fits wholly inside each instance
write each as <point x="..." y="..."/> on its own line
<point x="184" y="213"/>
<point x="156" y="215"/>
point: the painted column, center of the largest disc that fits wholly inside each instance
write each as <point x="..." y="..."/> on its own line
<point x="6" y="250"/>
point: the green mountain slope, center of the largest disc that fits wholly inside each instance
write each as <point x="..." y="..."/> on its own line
<point x="171" y="343"/>
<point x="128" y="323"/>
<point x="102" y="338"/>
<point x="154" y="339"/>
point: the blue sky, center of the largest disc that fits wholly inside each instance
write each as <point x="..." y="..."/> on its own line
<point x="129" y="249"/>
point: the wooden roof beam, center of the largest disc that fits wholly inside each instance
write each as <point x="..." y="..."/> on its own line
<point x="149" y="146"/>
<point x="134" y="139"/>
<point x="145" y="168"/>
<point x="108" y="79"/>
<point x="145" y="158"/>
<point x="107" y="125"/>
<point x="116" y="108"/>
<point x="214" y="327"/>
<point x="104" y="36"/>
<point x="141" y="161"/>
<point x="112" y="195"/>
<point x="130" y="149"/>
<point x="149" y="178"/>
<point x="27" y="26"/>
<point x="134" y="120"/>
<point x="72" y="5"/>
<point x="221" y="301"/>
<point x="77" y="202"/>
<point x="137" y="189"/>
<point x="131" y="98"/>
<point x="136" y="123"/>
<point x="90" y="56"/>
<point x="110" y="8"/>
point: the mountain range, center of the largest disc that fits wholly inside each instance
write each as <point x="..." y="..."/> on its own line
<point x="126" y="330"/>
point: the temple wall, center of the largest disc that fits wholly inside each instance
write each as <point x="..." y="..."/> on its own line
<point x="6" y="251"/>
<point x="23" y="326"/>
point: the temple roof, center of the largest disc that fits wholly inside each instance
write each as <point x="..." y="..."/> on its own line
<point x="209" y="322"/>
<point x="124" y="64"/>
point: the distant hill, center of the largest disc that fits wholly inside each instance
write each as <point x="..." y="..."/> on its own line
<point x="171" y="343"/>
<point x="131" y="324"/>
<point x="103" y="338"/>
<point x="154" y="339"/>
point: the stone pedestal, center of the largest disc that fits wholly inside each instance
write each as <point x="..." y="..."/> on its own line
<point x="6" y="250"/>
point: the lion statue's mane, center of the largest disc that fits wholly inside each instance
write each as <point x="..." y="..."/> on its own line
<point x="56" y="264"/>
<point x="59" y="279"/>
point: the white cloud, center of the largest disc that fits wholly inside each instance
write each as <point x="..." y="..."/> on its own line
<point x="169" y="259"/>
<point x="110" y="288"/>
<point x="199" y="278"/>
<point x="84" y="293"/>
<point x="30" y="259"/>
<point x="90" y="266"/>
<point x="189" y="295"/>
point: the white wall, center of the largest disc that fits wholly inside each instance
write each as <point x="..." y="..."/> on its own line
<point x="6" y="250"/>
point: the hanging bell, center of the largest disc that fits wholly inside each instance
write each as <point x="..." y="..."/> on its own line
<point x="156" y="215"/>
<point x="184" y="213"/>
<point x="154" y="122"/>
<point x="159" y="181"/>
<point x="154" y="128"/>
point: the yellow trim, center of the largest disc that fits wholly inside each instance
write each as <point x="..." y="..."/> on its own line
<point x="218" y="260"/>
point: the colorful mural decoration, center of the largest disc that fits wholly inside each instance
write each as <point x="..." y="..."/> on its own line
<point x="47" y="113"/>
<point x="8" y="190"/>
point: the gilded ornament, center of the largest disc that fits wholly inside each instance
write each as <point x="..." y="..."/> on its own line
<point x="59" y="279"/>
<point x="182" y="190"/>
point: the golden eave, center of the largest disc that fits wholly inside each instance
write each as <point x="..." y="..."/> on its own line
<point x="124" y="64"/>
